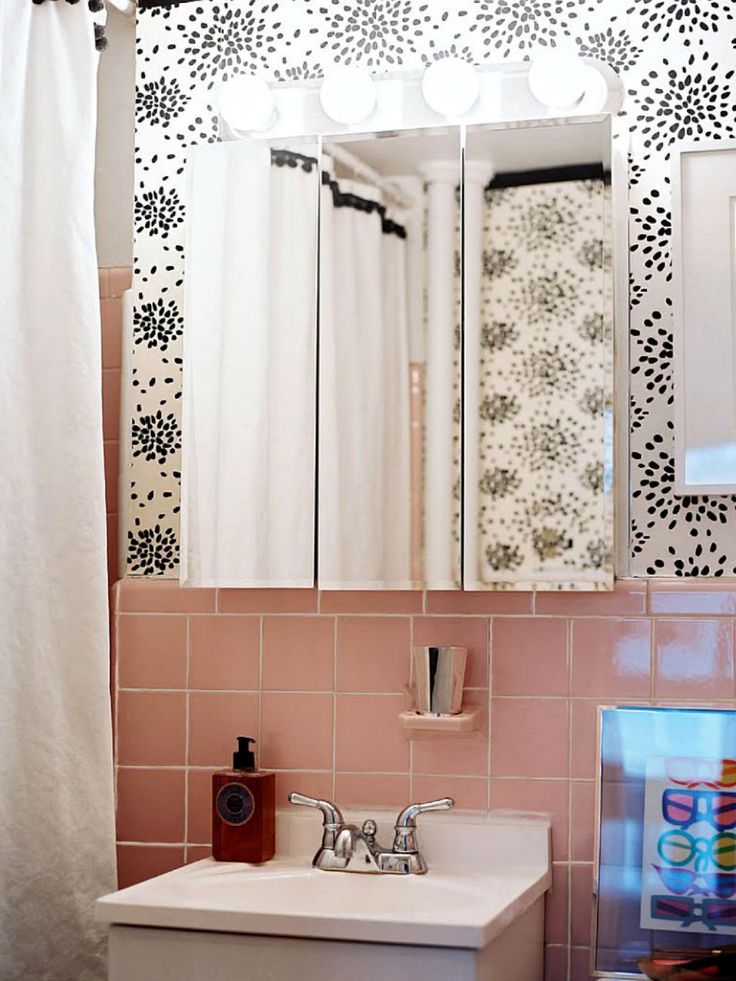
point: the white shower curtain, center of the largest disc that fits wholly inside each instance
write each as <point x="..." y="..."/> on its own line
<point x="364" y="445"/>
<point x="250" y="363"/>
<point x="56" y="796"/>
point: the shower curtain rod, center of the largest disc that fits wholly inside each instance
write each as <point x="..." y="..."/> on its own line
<point x="360" y="169"/>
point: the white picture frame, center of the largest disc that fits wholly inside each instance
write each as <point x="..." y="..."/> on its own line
<point x="704" y="316"/>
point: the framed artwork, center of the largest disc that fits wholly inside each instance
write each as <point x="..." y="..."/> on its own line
<point x="665" y="872"/>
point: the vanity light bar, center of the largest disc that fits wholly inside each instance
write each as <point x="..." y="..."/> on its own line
<point x="556" y="86"/>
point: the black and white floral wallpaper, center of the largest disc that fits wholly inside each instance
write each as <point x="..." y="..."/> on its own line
<point x="677" y="59"/>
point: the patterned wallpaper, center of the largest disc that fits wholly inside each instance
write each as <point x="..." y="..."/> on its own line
<point x="676" y="59"/>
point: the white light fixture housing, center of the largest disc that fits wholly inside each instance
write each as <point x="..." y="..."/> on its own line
<point x="247" y="104"/>
<point x="348" y="94"/>
<point x="558" y="79"/>
<point x="451" y="87"/>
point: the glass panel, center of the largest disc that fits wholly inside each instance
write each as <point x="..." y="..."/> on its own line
<point x="389" y="418"/>
<point x="538" y="363"/>
<point x="667" y="855"/>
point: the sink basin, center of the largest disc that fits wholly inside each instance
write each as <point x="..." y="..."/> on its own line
<point x="485" y="874"/>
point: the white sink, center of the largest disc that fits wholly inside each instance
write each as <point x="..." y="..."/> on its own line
<point x="485" y="873"/>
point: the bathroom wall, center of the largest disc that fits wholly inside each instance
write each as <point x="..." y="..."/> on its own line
<point x="676" y="61"/>
<point x="318" y="679"/>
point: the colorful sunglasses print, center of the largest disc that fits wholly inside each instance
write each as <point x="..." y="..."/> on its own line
<point x="691" y="772"/>
<point x="686" y="807"/>
<point x="711" y="912"/>
<point x="679" y="848"/>
<point x="686" y="882"/>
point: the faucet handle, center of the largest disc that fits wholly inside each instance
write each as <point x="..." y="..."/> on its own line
<point x="330" y="812"/>
<point x="405" y="838"/>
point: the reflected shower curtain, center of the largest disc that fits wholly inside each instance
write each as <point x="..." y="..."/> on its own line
<point x="56" y="793"/>
<point x="364" y="445"/>
<point x="541" y="411"/>
<point x="248" y="471"/>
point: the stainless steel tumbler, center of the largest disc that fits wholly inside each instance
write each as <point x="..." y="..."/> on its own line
<point x="439" y="673"/>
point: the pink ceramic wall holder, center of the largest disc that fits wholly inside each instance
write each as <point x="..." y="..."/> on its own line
<point x="419" y="726"/>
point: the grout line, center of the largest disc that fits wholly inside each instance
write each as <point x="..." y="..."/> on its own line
<point x="186" y="738"/>
<point x="334" y="706"/>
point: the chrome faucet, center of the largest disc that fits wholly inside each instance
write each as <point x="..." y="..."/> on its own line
<point x="348" y="848"/>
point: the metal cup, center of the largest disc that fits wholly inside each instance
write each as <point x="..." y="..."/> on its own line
<point x="439" y="673"/>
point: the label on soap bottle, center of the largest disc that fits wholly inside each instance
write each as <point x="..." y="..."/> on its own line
<point x="235" y="804"/>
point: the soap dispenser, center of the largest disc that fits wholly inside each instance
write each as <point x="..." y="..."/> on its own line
<point x="243" y="809"/>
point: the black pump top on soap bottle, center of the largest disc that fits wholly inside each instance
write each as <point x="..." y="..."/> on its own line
<point x="244" y="758"/>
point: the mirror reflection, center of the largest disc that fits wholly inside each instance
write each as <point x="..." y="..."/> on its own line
<point x="248" y="508"/>
<point x="389" y="376"/>
<point x="538" y="335"/>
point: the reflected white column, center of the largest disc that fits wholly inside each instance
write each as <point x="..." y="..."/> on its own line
<point x="440" y="564"/>
<point x="477" y="174"/>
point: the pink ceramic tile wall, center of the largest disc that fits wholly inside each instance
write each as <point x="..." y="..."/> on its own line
<point x="317" y="678"/>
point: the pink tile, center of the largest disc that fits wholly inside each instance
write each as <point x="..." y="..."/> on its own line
<point x="529" y="737"/>
<point x="529" y="656"/>
<point x="556" y="905"/>
<point x="199" y="806"/>
<point x="488" y="603"/>
<point x="368" y="734"/>
<point x="373" y="653"/>
<point x="112" y="548"/>
<point x="196" y="853"/>
<point x="150" y="805"/>
<point x="298" y="653"/>
<point x="627" y="598"/>
<point x="692" y="597"/>
<point x="467" y="757"/>
<point x="372" y="789"/>
<point x="112" y="332"/>
<point x="582" y="903"/>
<point x="151" y="728"/>
<point x="611" y="657"/>
<point x="224" y="652"/>
<point x="693" y="659"/>
<point x="111" y="403"/>
<point x="583" y="738"/>
<point x="470" y="632"/>
<point x="370" y="601"/>
<point x="297" y="731"/>
<point x="139" y="862"/>
<point x="120" y="279"/>
<point x="469" y="793"/>
<point x="313" y="784"/>
<point x="582" y="820"/>
<point x="140" y="595"/>
<point x="216" y="719"/>
<point x="555" y="962"/>
<point x="580" y="964"/>
<point x="546" y="796"/>
<point x="112" y="451"/>
<point x="152" y="651"/>
<point x="104" y="283"/>
<point x="268" y="601"/>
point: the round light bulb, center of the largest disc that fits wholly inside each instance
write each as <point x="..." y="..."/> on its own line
<point x="450" y="86"/>
<point x="246" y="104"/>
<point x="558" y="79"/>
<point x="348" y="94"/>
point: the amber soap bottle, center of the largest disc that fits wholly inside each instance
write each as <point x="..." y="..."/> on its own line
<point x="243" y="810"/>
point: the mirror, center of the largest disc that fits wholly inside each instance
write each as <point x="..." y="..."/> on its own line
<point x="539" y="357"/>
<point x="399" y="360"/>
<point x="249" y="433"/>
<point x="390" y="362"/>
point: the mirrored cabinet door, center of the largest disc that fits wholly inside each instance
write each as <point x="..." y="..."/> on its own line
<point x="538" y="357"/>
<point x="249" y="468"/>
<point x="390" y="362"/>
